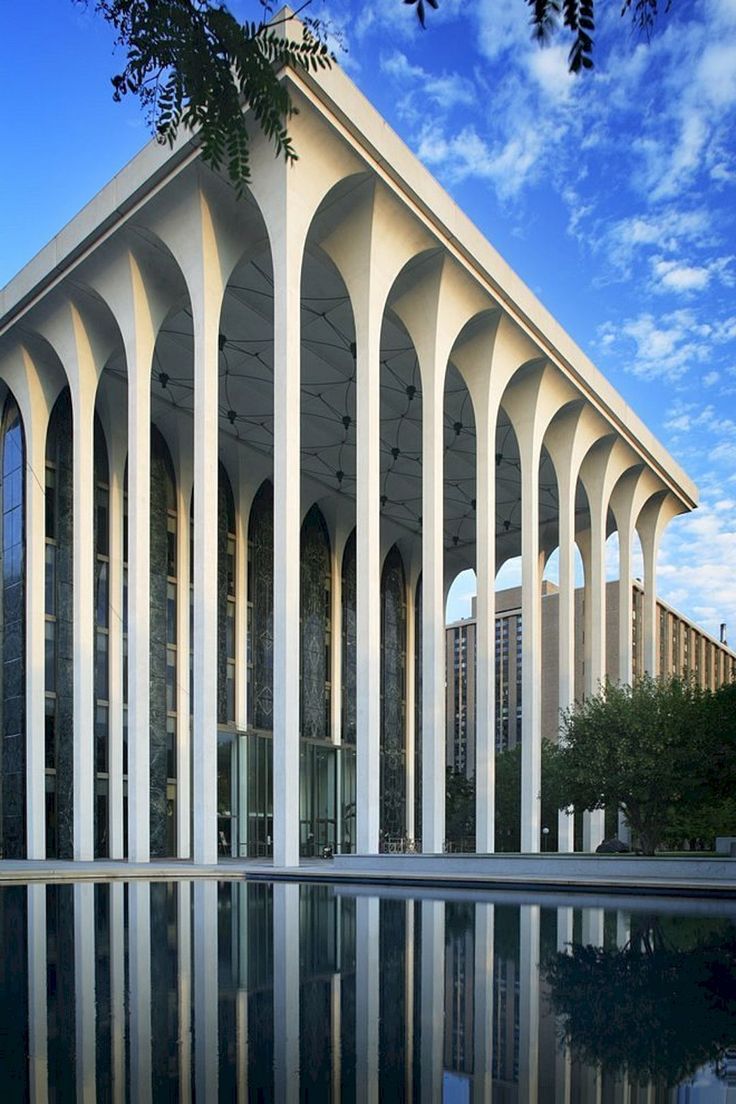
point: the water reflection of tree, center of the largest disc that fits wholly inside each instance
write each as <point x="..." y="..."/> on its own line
<point x="655" y="1010"/>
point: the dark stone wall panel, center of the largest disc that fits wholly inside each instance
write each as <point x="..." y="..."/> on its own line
<point x="393" y="680"/>
<point x="315" y="581"/>
<point x="161" y="492"/>
<point x="349" y="642"/>
<point x="260" y="537"/>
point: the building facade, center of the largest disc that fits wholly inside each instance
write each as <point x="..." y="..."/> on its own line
<point x="246" y="445"/>
<point x="684" y="649"/>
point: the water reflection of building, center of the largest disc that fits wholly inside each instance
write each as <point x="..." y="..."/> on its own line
<point x="252" y="991"/>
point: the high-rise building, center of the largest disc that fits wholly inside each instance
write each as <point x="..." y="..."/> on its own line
<point x="683" y="649"/>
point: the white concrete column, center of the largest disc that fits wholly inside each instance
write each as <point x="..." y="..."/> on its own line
<point x="368" y="576"/>
<point x="336" y="649"/>
<point x="286" y="992"/>
<point x="287" y="262"/>
<point x="531" y="653"/>
<point x="651" y="523"/>
<point x="433" y="614"/>
<point x="244" y="499"/>
<point x="432" y="1000"/>
<point x="35" y="552"/>
<point x="625" y="671"/>
<point x="367" y="998"/>
<point x="139" y="615"/>
<point x="84" y="991"/>
<point x="205" y="990"/>
<point x="595" y="647"/>
<point x="483" y="1004"/>
<point x="529" y="1002"/>
<point x="139" y="990"/>
<point x="38" y="1071"/>
<point x="567" y="484"/>
<point x="83" y="614"/>
<point x="204" y="730"/>
<point x="115" y="583"/>
<point x="183" y="648"/>
<point x="410" y="714"/>
<point x="485" y="672"/>
<point x="336" y="680"/>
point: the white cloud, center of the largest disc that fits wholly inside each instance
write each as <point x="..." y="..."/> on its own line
<point x="671" y="276"/>
<point x="710" y="379"/>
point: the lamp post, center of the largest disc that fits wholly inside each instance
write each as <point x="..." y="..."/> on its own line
<point x="545" y="835"/>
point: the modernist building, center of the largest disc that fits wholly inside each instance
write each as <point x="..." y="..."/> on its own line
<point x="683" y="649"/>
<point x="246" y="445"/>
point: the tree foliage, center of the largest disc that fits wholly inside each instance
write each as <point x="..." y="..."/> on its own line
<point x="194" y="66"/>
<point x="662" y="751"/>
<point x="508" y="800"/>
<point x="653" y="1011"/>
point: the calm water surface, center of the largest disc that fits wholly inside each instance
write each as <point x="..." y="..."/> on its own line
<point x="256" y="991"/>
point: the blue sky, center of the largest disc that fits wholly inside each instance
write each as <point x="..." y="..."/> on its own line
<point x="612" y="195"/>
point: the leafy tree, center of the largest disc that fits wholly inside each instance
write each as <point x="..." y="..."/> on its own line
<point x="459" y="808"/>
<point x="508" y="799"/>
<point x="643" y="749"/>
<point x="192" y="64"/>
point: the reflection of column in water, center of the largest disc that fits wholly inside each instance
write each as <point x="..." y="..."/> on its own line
<point x="483" y="1005"/>
<point x="205" y="990"/>
<point x="37" y="1010"/>
<point x="184" y="989"/>
<point x="367" y="997"/>
<point x="592" y="936"/>
<point x="240" y="973"/>
<point x="528" y="1002"/>
<point x="336" y="1024"/>
<point x="241" y="1047"/>
<point x="432" y="999"/>
<point x="117" y="990"/>
<point x="623" y="928"/>
<point x="286" y="991"/>
<point x="139" y="967"/>
<point x="562" y="1053"/>
<point x="409" y="998"/>
<point x="84" y="990"/>
<point x="592" y="931"/>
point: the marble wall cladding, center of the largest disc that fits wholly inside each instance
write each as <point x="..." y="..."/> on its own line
<point x="12" y="620"/>
<point x="223" y="491"/>
<point x="393" y="681"/>
<point x="315" y="569"/>
<point x="349" y="642"/>
<point x="160" y="476"/>
<point x="260" y="536"/>
<point x="60" y="441"/>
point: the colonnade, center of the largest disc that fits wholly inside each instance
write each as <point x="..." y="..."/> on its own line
<point x="143" y="325"/>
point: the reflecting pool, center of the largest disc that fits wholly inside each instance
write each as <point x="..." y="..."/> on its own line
<point x="277" y="991"/>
